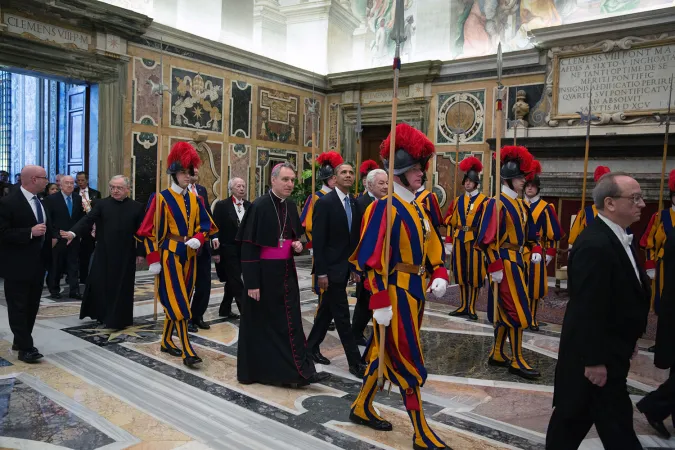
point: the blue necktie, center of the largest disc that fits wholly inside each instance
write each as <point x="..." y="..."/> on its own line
<point x="69" y="204"/>
<point x="348" y="210"/>
<point x="38" y="209"/>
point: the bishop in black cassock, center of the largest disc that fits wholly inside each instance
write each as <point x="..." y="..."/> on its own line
<point x="272" y="345"/>
<point x="109" y="292"/>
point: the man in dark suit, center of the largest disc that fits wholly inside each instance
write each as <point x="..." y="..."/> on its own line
<point x="227" y="215"/>
<point x="202" y="294"/>
<point x="88" y="242"/>
<point x="376" y="183"/>
<point x="336" y="222"/>
<point x="65" y="210"/>
<point x="25" y="251"/>
<point x="606" y="314"/>
<point x="660" y="403"/>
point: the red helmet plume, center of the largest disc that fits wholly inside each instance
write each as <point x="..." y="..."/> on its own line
<point x="182" y="156"/>
<point x="519" y="154"/>
<point x="367" y="166"/>
<point x="332" y="158"/>
<point x="411" y="147"/>
<point x="535" y="170"/>
<point x="599" y="172"/>
<point x="471" y="163"/>
<point x="671" y="181"/>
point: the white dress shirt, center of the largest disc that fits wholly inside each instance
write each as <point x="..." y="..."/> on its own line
<point x="625" y="240"/>
<point x="239" y="207"/>
<point x="473" y="193"/>
<point x="342" y="196"/>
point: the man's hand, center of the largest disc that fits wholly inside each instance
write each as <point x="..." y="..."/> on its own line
<point x="596" y="375"/>
<point x="254" y="294"/>
<point x="215" y="243"/>
<point x="651" y="273"/>
<point x="216" y="259"/>
<point x="193" y="243"/>
<point x="139" y="260"/>
<point x="297" y="246"/>
<point x="355" y="277"/>
<point x="497" y="276"/>
<point x="322" y="281"/>
<point x="39" y="230"/>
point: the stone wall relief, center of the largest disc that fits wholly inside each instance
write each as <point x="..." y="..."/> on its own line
<point x="461" y="111"/>
<point x="145" y="104"/>
<point x="333" y="118"/>
<point x="196" y="100"/>
<point x="312" y="108"/>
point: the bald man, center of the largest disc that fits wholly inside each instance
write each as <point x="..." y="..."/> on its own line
<point x="25" y="250"/>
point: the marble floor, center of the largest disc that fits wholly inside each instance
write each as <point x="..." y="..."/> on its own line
<point x="101" y="389"/>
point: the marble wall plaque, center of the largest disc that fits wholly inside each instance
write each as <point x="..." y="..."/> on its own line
<point x="145" y="104"/>
<point x="241" y="107"/>
<point x="631" y="81"/>
<point x="461" y="110"/>
<point x="144" y="164"/>
<point x="33" y="29"/>
<point x="277" y="116"/>
<point x="311" y="105"/>
<point x="196" y="100"/>
<point x="333" y="118"/>
<point x="383" y="96"/>
<point x="239" y="163"/>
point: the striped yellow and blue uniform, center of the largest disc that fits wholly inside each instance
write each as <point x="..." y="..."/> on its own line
<point x="306" y="221"/>
<point x="654" y="241"/>
<point x="511" y="312"/>
<point x="584" y="218"/>
<point x="468" y="262"/>
<point x="181" y="216"/>
<point x="416" y="243"/>
<point x="429" y="200"/>
<point x="550" y="233"/>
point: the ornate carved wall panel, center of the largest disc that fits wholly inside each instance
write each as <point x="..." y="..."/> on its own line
<point x="145" y="104"/>
<point x="241" y="108"/>
<point x="143" y="165"/>
<point x="239" y="163"/>
<point x="311" y="105"/>
<point x="266" y="159"/>
<point x="196" y="100"/>
<point x="464" y="111"/>
<point x="277" y="119"/>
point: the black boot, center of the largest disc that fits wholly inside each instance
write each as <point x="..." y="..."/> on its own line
<point x="375" y="424"/>
<point x="171" y="351"/>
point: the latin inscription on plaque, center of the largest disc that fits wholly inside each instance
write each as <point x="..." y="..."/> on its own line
<point x="631" y="81"/>
<point x="46" y="32"/>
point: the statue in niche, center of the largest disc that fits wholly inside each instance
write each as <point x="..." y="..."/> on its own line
<point x="521" y="108"/>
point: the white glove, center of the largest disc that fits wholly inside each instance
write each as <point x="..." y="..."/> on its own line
<point x="383" y="316"/>
<point x="651" y="273"/>
<point x="448" y="249"/>
<point x="497" y="276"/>
<point x="311" y="252"/>
<point x="536" y="258"/>
<point x="438" y="287"/>
<point x="193" y="243"/>
<point x="155" y="268"/>
<point x="549" y="258"/>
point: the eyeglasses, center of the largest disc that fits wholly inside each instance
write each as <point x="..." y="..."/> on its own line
<point x="117" y="188"/>
<point x="637" y="198"/>
<point x="44" y="178"/>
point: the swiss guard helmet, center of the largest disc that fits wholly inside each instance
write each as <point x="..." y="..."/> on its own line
<point x="367" y="166"/>
<point x="532" y="179"/>
<point x="182" y="156"/>
<point x="599" y="172"/>
<point x="516" y="162"/>
<point x="411" y="147"/>
<point x="328" y="161"/>
<point x="472" y="167"/>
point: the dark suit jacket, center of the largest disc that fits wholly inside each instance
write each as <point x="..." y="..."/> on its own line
<point x="22" y="258"/>
<point x="332" y="240"/>
<point x="227" y="221"/>
<point x="606" y="314"/>
<point x="93" y="194"/>
<point x="664" y="356"/>
<point x="204" y="195"/>
<point x="364" y="201"/>
<point x="58" y="212"/>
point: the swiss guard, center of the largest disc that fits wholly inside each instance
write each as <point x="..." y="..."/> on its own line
<point x="550" y="233"/>
<point x="398" y="297"/>
<point x="429" y="200"/>
<point x="462" y="221"/>
<point x="654" y="241"/>
<point x="506" y="261"/>
<point x="364" y="170"/>
<point x="586" y="216"/>
<point x="171" y="248"/>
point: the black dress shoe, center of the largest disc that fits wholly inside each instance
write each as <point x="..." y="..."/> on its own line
<point x="171" y="351"/>
<point x="658" y="426"/>
<point x="528" y="374"/>
<point x="191" y="361"/>
<point x="652" y="349"/>
<point x="358" y="370"/>
<point x="320" y="359"/>
<point x="55" y="296"/>
<point x="433" y="447"/>
<point x="361" y="341"/>
<point x="76" y="296"/>
<point x="30" y="356"/>
<point x="473" y="316"/>
<point x="376" y="424"/>
<point x="318" y="377"/>
<point x="229" y="315"/>
<point x="14" y="347"/>
<point x="494" y="362"/>
<point x="534" y="327"/>
<point x="192" y="327"/>
<point x="331" y="326"/>
<point x="203" y="325"/>
<point x="458" y="313"/>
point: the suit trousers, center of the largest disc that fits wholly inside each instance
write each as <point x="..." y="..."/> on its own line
<point x="23" y="302"/>
<point x="64" y="260"/>
<point x="87" y="245"/>
<point x="611" y="411"/>
<point x="200" y="299"/>
<point x="660" y="403"/>
<point x="334" y="306"/>
<point x="362" y="312"/>
<point x="234" y="286"/>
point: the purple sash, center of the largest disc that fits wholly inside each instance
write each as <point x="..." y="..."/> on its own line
<point x="275" y="252"/>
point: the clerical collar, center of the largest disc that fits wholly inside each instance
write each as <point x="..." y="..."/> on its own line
<point x="177" y="189"/>
<point x="404" y="193"/>
<point x="326" y="189"/>
<point x="509" y="192"/>
<point x="472" y="193"/>
<point x="534" y="199"/>
<point x="278" y="198"/>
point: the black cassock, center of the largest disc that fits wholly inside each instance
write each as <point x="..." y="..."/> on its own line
<point x="272" y="344"/>
<point x="109" y="292"/>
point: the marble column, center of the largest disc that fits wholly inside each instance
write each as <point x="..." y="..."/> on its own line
<point x="111" y="101"/>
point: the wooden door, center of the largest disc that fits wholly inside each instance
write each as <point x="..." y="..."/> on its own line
<point x="372" y="138"/>
<point x="76" y="154"/>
